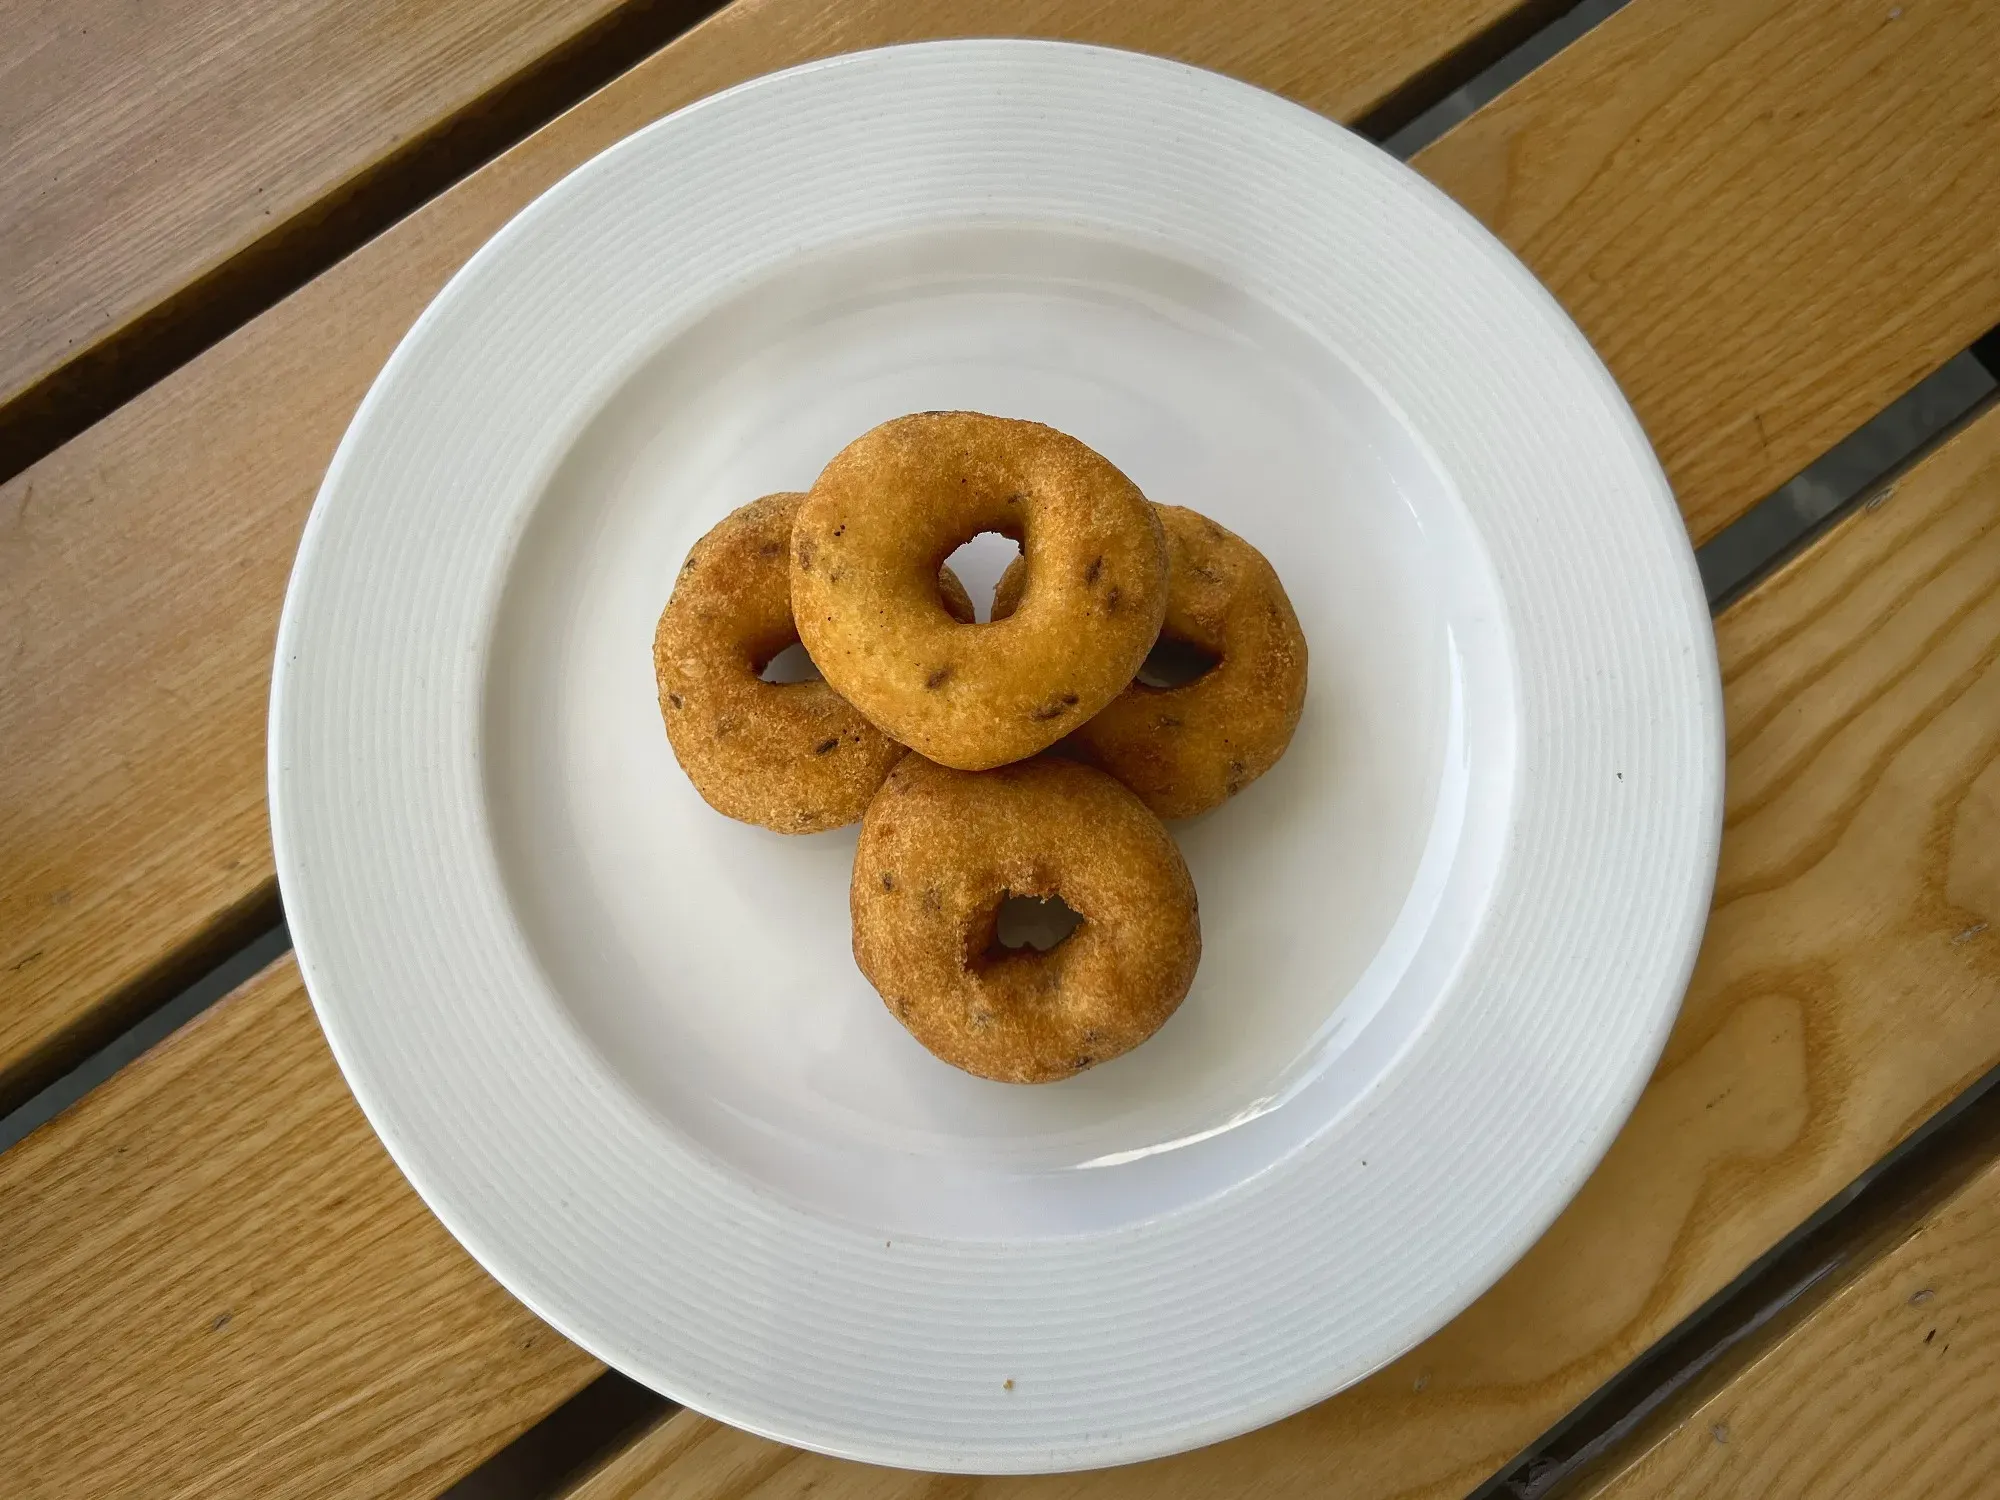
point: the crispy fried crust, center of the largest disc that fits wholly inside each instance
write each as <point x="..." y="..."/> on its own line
<point x="895" y="503"/>
<point x="792" y="756"/>
<point x="1189" y="748"/>
<point x="941" y="849"/>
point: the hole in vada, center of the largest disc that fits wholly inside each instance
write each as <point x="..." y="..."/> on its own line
<point x="1034" y="922"/>
<point x="979" y="564"/>
<point x="790" y="665"/>
<point x="1175" y="663"/>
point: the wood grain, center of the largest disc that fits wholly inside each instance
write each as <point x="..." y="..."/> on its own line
<point x="213" y="1282"/>
<point x="1772" y="217"/>
<point x="1889" y="1389"/>
<point x="143" y="564"/>
<point x="142" y="147"/>
<point x="1849" y="985"/>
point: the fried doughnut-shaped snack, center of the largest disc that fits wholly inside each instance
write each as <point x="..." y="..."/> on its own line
<point x="1186" y="749"/>
<point x="895" y="503"/>
<point x="940" y="851"/>
<point x="791" y="756"/>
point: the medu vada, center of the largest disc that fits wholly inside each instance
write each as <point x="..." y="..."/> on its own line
<point x="1187" y="748"/>
<point x="790" y="756"/>
<point x="941" y="849"/>
<point x="895" y="503"/>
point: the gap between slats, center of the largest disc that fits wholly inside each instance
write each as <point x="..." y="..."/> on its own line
<point x="148" y="348"/>
<point x="1822" y="1254"/>
<point x="269" y="945"/>
<point x="1797" y="1276"/>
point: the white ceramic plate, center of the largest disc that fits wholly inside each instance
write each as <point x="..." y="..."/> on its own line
<point x="618" y="1042"/>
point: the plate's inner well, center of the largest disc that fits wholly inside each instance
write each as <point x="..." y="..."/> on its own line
<point x="708" y="962"/>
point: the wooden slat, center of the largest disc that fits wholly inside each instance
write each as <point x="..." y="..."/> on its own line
<point x="142" y="565"/>
<point x="1890" y="1389"/>
<point x="1772" y="217"/>
<point x="142" y="148"/>
<point x="1848" y="986"/>
<point x="213" y="1282"/>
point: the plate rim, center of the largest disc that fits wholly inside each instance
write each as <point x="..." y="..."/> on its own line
<point x="318" y="967"/>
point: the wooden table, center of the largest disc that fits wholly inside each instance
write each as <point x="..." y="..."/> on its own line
<point x="1772" y="217"/>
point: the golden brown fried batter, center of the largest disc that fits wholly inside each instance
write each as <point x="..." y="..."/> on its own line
<point x="941" y="849"/>
<point x="1186" y="749"/>
<point x="895" y="503"/>
<point x="791" y="756"/>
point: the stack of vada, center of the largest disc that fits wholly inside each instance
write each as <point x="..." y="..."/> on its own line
<point x="1027" y="756"/>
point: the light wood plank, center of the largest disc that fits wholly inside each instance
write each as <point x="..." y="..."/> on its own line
<point x="1846" y="989"/>
<point x="1772" y="217"/>
<point x="142" y="565"/>
<point x="213" y="1282"/>
<point x="1890" y="1389"/>
<point x="142" y="147"/>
